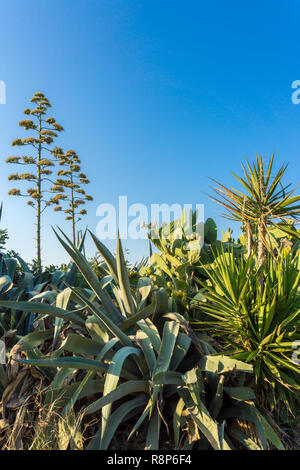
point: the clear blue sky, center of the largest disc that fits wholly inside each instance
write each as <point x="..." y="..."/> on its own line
<point x="155" y="96"/>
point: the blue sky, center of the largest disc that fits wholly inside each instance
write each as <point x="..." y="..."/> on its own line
<point x="155" y="97"/>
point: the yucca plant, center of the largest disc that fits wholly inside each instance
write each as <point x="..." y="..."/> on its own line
<point x="265" y="204"/>
<point x="258" y="328"/>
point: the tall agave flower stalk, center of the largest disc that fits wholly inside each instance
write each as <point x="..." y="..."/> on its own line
<point x="265" y="204"/>
<point x="45" y="130"/>
<point x="69" y="188"/>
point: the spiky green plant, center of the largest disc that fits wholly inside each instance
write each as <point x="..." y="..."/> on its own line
<point x="258" y="328"/>
<point x="265" y="203"/>
<point x="45" y="130"/>
<point x="143" y="361"/>
<point x="69" y="188"/>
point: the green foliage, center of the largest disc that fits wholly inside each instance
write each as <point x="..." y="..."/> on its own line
<point x="260" y="329"/>
<point x="265" y="203"/>
<point x="139" y="366"/>
<point x="183" y="250"/>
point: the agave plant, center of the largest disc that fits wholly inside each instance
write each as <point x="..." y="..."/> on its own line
<point x="258" y="328"/>
<point x="203" y="404"/>
<point x="140" y="364"/>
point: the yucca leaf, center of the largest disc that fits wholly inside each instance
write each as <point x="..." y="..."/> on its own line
<point x="223" y="364"/>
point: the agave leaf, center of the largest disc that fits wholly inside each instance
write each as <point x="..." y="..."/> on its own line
<point x="112" y="379"/>
<point x="117" y="417"/>
<point x="79" y="345"/>
<point x="147" y="347"/>
<point x="35" y="339"/>
<point x="171" y="377"/>
<point x="134" y="319"/>
<point x="88" y="274"/>
<point x="141" y="419"/>
<point x="217" y="402"/>
<point x="105" y="321"/>
<point x="182" y="345"/>
<point x="68" y="395"/>
<point x="127" y="388"/>
<point x="106" y="348"/>
<point x="95" y="330"/>
<point x="21" y="286"/>
<point x="69" y="362"/>
<point x="47" y="296"/>
<point x="267" y="429"/>
<point x="150" y="329"/>
<point x="62" y="301"/>
<point x="124" y="280"/>
<point x="43" y="308"/>
<point x="170" y="333"/>
<point x="240" y="393"/>
<point x="177" y="420"/>
<point x="79" y="390"/>
<point x="241" y="437"/>
<point x="5" y="284"/>
<point x="202" y="418"/>
<point x="161" y="302"/>
<point x="11" y="265"/>
<point x="107" y="256"/>
<point x="152" y="440"/>
<point x="56" y="384"/>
